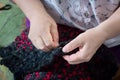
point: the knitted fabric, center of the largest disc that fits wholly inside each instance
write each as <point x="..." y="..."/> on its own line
<point x="28" y="63"/>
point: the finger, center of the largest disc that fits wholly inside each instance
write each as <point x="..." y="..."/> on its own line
<point x="86" y="52"/>
<point x="74" y="63"/>
<point x="72" y="45"/>
<point x="80" y="61"/>
<point x="33" y="40"/>
<point x="47" y="39"/>
<point x="34" y="43"/>
<point x="55" y="36"/>
<point x="39" y="42"/>
<point x="81" y="55"/>
<point x="73" y="57"/>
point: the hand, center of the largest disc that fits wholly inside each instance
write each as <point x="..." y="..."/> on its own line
<point x="43" y="32"/>
<point x="87" y="42"/>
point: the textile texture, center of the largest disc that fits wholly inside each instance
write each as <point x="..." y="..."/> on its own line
<point x="28" y="63"/>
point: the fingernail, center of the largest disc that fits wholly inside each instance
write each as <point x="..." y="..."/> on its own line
<point x="65" y="50"/>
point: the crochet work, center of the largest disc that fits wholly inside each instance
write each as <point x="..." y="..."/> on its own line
<point x="28" y="63"/>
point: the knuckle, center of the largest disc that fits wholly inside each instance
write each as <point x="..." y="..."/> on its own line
<point x="49" y="44"/>
<point x="87" y="59"/>
<point x="43" y="47"/>
<point x="70" y="63"/>
<point x="82" y="57"/>
<point x="77" y="59"/>
<point x="29" y="36"/>
<point x="55" y="25"/>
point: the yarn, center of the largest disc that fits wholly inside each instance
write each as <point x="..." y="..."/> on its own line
<point x="28" y="63"/>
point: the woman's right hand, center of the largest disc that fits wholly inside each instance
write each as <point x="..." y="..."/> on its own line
<point x="43" y="29"/>
<point x="43" y="32"/>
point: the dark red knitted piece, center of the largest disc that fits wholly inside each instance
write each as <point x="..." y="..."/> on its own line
<point x="102" y="66"/>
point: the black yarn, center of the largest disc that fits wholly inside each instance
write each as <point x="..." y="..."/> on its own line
<point x="26" y="61"/>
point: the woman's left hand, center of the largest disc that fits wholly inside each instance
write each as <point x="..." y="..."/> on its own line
<point x="87" y="42"/>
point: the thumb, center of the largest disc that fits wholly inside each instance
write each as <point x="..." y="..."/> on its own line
<point x="75" y="43"/>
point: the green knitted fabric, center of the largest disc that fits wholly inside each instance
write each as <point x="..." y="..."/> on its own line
<point x="11" y="22"/>
<point x="11" y="25"/>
